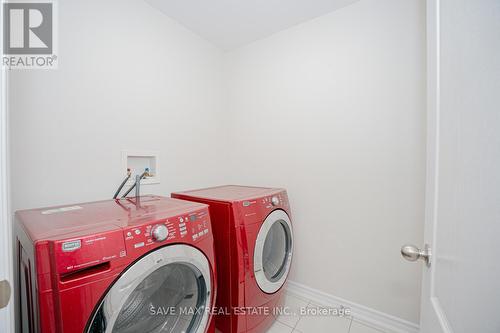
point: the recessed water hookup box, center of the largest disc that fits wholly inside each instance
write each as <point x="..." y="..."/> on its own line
<point x="137" y="162"/>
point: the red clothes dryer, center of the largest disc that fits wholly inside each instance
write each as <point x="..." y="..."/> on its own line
<point x="115" y="266"/>
<point x="254" y="246"/>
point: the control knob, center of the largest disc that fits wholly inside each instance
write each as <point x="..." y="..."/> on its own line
<point x="275" y="201"/>
<point x="159" y="233"/>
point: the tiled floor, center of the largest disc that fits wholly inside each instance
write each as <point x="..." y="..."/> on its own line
<point x="308" y="323"/>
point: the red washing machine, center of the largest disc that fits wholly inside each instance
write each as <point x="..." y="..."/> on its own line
<point x="254" y="245"/>
<point x="118" y="266"/>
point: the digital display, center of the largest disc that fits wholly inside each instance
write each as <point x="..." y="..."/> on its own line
<point x="192" y="218"/>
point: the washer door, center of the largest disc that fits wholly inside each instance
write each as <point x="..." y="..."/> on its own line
<point x="167" y="290"/>
<point x="273" y="252"/>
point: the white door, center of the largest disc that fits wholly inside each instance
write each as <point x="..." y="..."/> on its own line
<point x="461" y="288"/>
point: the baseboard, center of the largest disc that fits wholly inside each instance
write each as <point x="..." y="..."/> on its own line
<point x="361" y="313"/>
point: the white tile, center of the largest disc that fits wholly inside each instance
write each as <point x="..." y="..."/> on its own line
<point x="279" y="328"/>
<point x="357" y="327"/>
<point x="334" y="311"/>
<point x="323" y="324"/>
<point x="293" y="306"/>
<point x="318" y="305"/>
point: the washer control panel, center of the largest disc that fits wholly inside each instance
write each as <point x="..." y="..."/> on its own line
<point x="188" y="227"/>
<point x="159" y="233"/>
<point x="195" y="226"/>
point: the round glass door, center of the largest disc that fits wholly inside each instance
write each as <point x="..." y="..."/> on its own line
<point x="170" y="295"/>
<point x="273" y="252"/>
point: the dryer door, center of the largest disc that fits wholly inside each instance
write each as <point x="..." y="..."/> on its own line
<point x="168" y="290"/>
<point x="273" y="252"/>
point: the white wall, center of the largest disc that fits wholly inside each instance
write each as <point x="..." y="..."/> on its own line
<point x="128" y="78"/>
<point x="334" y="110"/>
<point x="6" y="259"/>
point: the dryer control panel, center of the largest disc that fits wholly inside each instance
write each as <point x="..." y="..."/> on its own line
<point x="254" y="210"/>
<point x="277" y="200"/>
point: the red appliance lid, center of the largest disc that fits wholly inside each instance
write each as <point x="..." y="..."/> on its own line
<point x="231" y="192"/>
<point x="82" y="219"/>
